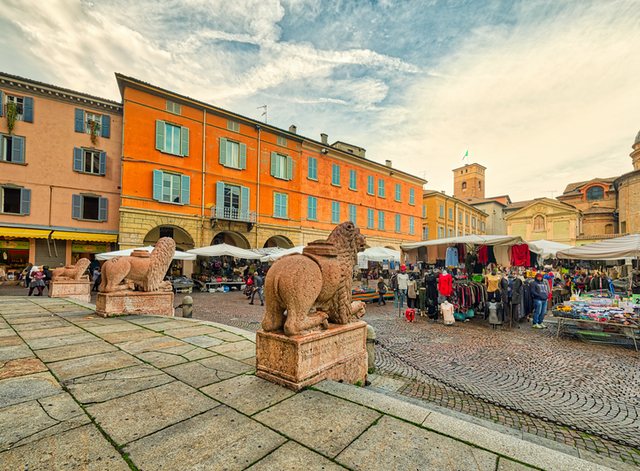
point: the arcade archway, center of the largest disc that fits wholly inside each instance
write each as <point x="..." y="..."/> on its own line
<point x="231" y="238"/>
<point x="278" y="241"/>
<point x="184" y="241"/>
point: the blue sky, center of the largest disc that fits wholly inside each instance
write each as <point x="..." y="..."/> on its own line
<point x="542" y="93"/>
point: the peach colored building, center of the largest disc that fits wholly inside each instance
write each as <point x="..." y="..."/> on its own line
<point x="60" y="156"/>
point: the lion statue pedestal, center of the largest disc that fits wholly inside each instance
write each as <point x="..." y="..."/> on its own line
<point x="134" y="284"/>
<point x="71" y="282"/>
<point x="310" y="330"/>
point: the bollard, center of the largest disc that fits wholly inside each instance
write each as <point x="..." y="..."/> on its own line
<point x="371" y="349"/>
<point x="187" y="307"/>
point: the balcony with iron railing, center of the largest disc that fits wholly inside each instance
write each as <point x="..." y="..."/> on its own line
<point x="233" y="214"/>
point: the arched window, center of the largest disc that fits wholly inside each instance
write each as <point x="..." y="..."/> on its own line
<point x="464" y="185"/>
<point x="595" y="193"/>
<point x="538" y="224"/>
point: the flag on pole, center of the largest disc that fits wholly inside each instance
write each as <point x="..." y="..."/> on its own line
<point x="466" y="154"/>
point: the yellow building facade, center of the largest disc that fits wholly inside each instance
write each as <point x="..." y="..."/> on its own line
<point x="544" y="218"/>
<point x="446" y="216"/>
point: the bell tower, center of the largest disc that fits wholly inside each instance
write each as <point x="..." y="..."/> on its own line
<point x="468" y="182"/>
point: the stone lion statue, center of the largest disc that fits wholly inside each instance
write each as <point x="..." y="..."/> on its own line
<point x="320" y="277"/>
<point x="140" y="271"/>
<point x="71" y="272"/>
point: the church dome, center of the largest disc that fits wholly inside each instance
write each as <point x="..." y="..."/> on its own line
<point x="637" y="141"/>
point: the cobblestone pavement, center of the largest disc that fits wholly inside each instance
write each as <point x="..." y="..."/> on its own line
<point x="583" y="395"/>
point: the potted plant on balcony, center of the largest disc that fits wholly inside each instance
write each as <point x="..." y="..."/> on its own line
<point x="94" y="130"/>
<point x="12" y="116"/>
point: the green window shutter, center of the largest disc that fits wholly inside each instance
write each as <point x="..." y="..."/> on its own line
<point x="160" y="135"/>
<point x="1" y="103"/>
<point x="25" y="201"/>
<point x="77" y="159"/>
<point x="286" y="205"/>
<point x="223" y="151"/>
<point x="103" y="163"/>
<point x="219" y="199"/>
<point x="17" y="149"/>
<point x="184" y="141"/>
<point x="103" y="204"/>
<point x="275" y="204"/>
<point x="105" y="126"/>
<point x="76" y="206"/>
<point x="243" y="156"/>
<point x="185" y="190"/>
<point x="27" y="107"/>
<point x="289" y="168"/>
<point x="79" y="120"/>
<point x="244" y="203"/>
<point x="157" y="185"/>
<point x="274" y="163"/>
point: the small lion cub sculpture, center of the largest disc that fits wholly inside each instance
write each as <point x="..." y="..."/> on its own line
<point x="144" y="273"/>
<point x="320" y="277"/>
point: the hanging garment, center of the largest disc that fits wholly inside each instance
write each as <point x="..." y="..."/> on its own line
<point x="445" y="284"/>
<point x="483" y="254"/>
<point x="451" y="258"/>
<point x="493" y="283"/>
<point x="447" y="313"/>
<point x="502" y="255"/>
<point x="520" y="255"/>
<point x="493" y="314"/>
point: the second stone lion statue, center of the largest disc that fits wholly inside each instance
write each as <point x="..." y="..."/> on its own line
<point x="71" y="272"/>
<point x="320" y="277"/>
<point x="145" y="273"/>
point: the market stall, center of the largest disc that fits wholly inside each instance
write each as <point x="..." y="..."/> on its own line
<point x="272" y="257"/>
<point x="547" y="248"/>
<point x="222" y="266"/>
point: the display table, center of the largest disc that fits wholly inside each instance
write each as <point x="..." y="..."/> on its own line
<point x="209" y="285"/>
<point x="611" y="333"/>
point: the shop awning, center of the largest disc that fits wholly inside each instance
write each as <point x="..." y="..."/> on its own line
<point x="612" y="249"/>
<point x="125" y="252"/>
<point x="468" y="239"/>
<point x="224" y="250"/>
<point x="87" y="236"/>
<point x="24" y="233"/>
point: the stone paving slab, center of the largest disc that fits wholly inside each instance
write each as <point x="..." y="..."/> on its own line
<point x="247" y="393"/>
<point x="48" y="332"/>
<point x="322" y="422"/>
<point x="128" y="335"/>
<point x="293" y="457"/>
<point x="149" y="344"/>
<point x="131" y="417"/>
<point x="67" y="352"/>
<point x="83" y="448"/>
<point x="237" y="350"/>
<point x="401" y="446"/>
<point x="197" y="374"/>
<point x="161" y="359"/>
<point x="28" y="388"/>
<point x="59" y="341"/>
<point x="13" y="352"/>
<point x="50" y="323"/>
<point x="220" y="439"/>
<point x="112" y="384"/>
<point x="189" y="330"/>
<point x="89" y="365"/>
<point x="203" y="341"/>
<point x="21" y="367"/>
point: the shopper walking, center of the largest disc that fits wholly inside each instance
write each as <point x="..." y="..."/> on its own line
<point x="540" y="294"/>
<point x="382" y="290"/>
<point x="403" y="284"/>
<point x="47" y="276"/>
<point x="258" y="287"/>
<point x="37" y="281"/>
<point x="412" y="292"/>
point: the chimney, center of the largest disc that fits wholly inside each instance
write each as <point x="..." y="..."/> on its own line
<point x="388" y="163"/>
<point x="324" y="138"/>
<point x="293" y="129"/>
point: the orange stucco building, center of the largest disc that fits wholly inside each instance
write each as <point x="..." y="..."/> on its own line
<point x="205" y="175"/>
<point x="59" y="173"/>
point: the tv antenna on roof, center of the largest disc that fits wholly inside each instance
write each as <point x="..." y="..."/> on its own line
<point x="264" y="113"/>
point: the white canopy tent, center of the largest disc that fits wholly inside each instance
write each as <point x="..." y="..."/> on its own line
<point x="221" y="250"/>
<point x="472" y="239"/>
<point x="611" y="249"/>
<point x="547" y="248"/>
<point x="126" y="252"/>
<point x="378" y="254"/>
<point x="276" y="255"/>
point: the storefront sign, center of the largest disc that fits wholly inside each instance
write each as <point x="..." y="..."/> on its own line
<point x="78" y="247"/>
<point x="14" y="244"/>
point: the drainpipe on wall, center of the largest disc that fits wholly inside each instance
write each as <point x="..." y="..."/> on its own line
<point x="204" y="168"/>
<point x="258" y="184"/>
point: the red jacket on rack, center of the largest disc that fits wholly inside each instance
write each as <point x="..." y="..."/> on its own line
<point x="445" y="284"/>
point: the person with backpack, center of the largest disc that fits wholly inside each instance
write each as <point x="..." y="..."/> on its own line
<point x="382" y="290"/>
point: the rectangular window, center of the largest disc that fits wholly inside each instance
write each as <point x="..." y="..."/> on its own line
<point x="441" y="211"/>
<point x="483" y="226"/>
<point x="398" y="223"/>
<point x="91" y="161"/>
<point x="232" y="202"/>
<point x="450" y="214"/>
<point x="312" y="208"/>
<point x="233" y="126"/>
<point x="11" y="149"/>
<point x="425" y="233"/>
<point x="18" y="103"/>
<point x="312" y="169"/>
<point x="459" y="216"/>
<point x="370" y="218"/>
<point x="22" y="106"/>
<point x="281" y="166"/>
<point x="381" y="220"/>
<point x="424" y="212"/>
<point x="89" y="207"/>
<point x="440" y="232"/>
<point x="171" y="188"/>
<point x="11" y="198"/>
<point x="280" y="205"/>
<point x="353" y="180"/>
<point x="371" y="185"/>
<point x="231" y="199"/>
<point x="450" y="232"/>
<point x="412" y="196"/>
<point x="412" y="228"/>
<point x="353" y="213"/>
<point x="171" y="138"/>
<point x="473" y="222"/>
<point x="398" y="192"/>
<point x="173" y="107"/>
<point x="381" y="188"/>
<point x="335" y="212"/>
<point x="233" y="154"/>
<point x="335" y="174"/>
<point x="466" y="219"/>
<point x="281" y="141"/>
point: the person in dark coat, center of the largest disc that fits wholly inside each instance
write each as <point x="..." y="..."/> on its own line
<point x="540" y="294"/>
<point x="258" y="288"/>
